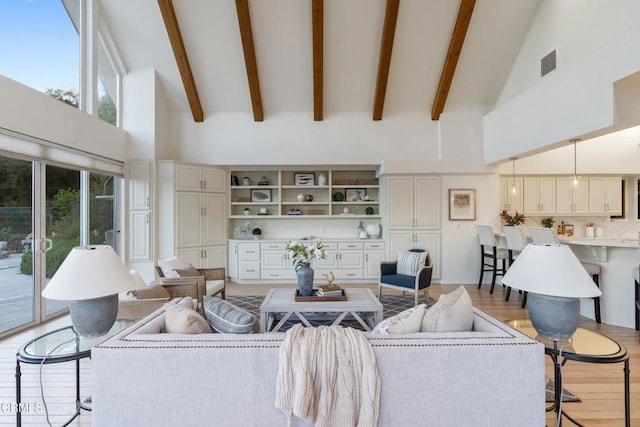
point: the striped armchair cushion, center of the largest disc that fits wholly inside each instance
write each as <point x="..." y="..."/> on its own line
<point x="410" y="262"/>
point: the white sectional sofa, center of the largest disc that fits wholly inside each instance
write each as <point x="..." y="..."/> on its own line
<point x="492" y="376"/>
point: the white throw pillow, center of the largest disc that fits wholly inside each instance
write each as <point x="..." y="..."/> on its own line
<point x="452" y="313"/>
<point x="179" y="319"/>
<point x="410" y="262"/>
<point x="169" y="265"/>
<point x="405" y="322"/>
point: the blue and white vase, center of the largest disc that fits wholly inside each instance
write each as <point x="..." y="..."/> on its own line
<point x="305" y="279"/>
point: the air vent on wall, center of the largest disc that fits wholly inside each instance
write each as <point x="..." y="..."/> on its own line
<point x="548" y="63"/>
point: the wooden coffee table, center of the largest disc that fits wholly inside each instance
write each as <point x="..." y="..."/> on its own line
<point x="360" y="301"/>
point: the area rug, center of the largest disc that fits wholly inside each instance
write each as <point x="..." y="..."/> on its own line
<point x="392" y="305"/>
<point x="567" y="396"/>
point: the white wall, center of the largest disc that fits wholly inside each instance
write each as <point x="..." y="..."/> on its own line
<point x="26" y="111"/>
<point x="597" y="44"/>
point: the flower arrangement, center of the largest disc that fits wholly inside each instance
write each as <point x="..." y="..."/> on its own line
<point x="300" y="253"/>
<point x="515" y="219"/>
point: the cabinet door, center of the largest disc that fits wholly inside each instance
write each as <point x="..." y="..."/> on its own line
<point x="399" y="240"/>
<point x="351" y="260"/>
<point x="213" y="256"/>
<point x="547" y="195"/>
<point x="188" y="178"/>
<point x="214" y="222"/>
<point x="613" y="199"/>
<point x="400" y="202"/>
<point x="140" y="184"/>
<point x="531" y="196"/>
<point x="372" y="260"/>
<point x="570" y="200"/>
<point x="232" y="260"/>
<point x="508" y="200"/>
<point x="192" y="256"/>
<point x="189" y="214"/>
<point x="214" y="180"/>
<point x="140" y="238"/>
<point x="426" y="207"/>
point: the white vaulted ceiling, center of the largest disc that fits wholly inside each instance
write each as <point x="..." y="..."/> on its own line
<point x="282" y="34"/>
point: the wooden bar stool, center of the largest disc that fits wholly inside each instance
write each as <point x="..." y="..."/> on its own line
<point x="548" y="236"/>
<point x="490" y="255"/>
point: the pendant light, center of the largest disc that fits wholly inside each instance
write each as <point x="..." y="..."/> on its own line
<point x="575" y="183"/>
<point x="514" y="188"/>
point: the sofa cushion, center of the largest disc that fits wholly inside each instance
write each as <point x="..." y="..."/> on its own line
<point x="410" y="262"/>
<point x="155" y="291"/>
<point x="405" y="322"/>
<point x="179" y="319"/>
<point x="188" y="271"/>
<point x="452" y="313"/>
<point x="225" y="317"/>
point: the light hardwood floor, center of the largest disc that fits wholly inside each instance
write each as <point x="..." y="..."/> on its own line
<point x="600" y="386"/>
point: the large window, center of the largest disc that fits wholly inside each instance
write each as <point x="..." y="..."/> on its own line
<point x="39" y="44"/>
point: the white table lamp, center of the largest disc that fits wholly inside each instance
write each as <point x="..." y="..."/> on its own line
<point x="554" y="279"/>
<point x="90" y="278"/>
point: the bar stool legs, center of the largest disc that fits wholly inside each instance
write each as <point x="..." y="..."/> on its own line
<point x="596" y="300"/>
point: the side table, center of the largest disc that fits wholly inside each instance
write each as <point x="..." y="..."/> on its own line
<point x="585" y="346"/>
<point x="61" y="345"/>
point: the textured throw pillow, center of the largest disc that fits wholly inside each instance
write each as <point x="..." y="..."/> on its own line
<point x="452" y="313"/>
<point x="225" y="317"/>
<point x="405" y="322"/>
<point x="189" y="271"/>
<point x="410" y="262"/>
<point x="170" y="264"/>
<point x="179" y="319"/>
<point x="148" y="292"/>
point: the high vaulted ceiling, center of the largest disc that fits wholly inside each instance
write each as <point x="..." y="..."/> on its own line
<point x="344" y="64"/>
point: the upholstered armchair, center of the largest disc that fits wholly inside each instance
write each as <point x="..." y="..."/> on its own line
<point x="183" y="280"/>
<point x="410" y="273"/>
<point x="142" y="300"/>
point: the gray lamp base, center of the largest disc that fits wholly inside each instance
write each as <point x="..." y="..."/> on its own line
<point x="94" y="317"/>
<point x="555" y="318"/>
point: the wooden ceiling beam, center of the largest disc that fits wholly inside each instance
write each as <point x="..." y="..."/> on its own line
<point x="384" y="62"/>
<point x="451" y="62"/>
<point x="317" y="19"/>
<point x="180" y="53"/>
<point x="248" y="48"/>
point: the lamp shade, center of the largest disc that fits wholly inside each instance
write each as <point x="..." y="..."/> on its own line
<point x="89" y="272"/>
<point x="550" y="270"/>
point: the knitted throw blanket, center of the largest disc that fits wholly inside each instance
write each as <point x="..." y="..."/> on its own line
<point x="328" y="376"/>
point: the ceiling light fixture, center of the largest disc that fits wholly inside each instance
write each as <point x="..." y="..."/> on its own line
<point x="575" y="183"/>
<point x="514" y="188"/>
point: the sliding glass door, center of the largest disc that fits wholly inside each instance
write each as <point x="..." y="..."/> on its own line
<point x="17" y="304"/>
<point x="41" y="219"/>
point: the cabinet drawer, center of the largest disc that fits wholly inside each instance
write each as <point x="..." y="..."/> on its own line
<point x="348" y="274"/>
<point x="249" y="251"/>
<point x="277" y="274"/>
<point x="249" y="270"/>
<point x="329" y="245"/>
<point x="374" y="246"/>
<point x="273" y="246"/>
<point x="350" y="246"/>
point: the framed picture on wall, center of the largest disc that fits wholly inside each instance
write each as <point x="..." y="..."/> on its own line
<point x="462" y="204"/>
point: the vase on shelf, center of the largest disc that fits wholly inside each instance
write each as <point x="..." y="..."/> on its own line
<point x="322" y="179"/>
<point x="304" y="273"/>
<point x="373" y="230"/>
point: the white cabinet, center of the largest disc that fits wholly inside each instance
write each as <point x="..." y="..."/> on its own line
<point x="345" y="259"/>
<point x="199" y="178"/>
<point x="572" y="200"/>
<point x="539" y="195"/>
<point x="605" y="195"/>
<point x="373" y="256"/>
<point x="275" y="263"/>
<point x="413" y="202"/>
<point x="404" y="240"/>
<point x="192" y="219"/>
<point x="510" y="201"/>
<point x="139" y="237"/>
